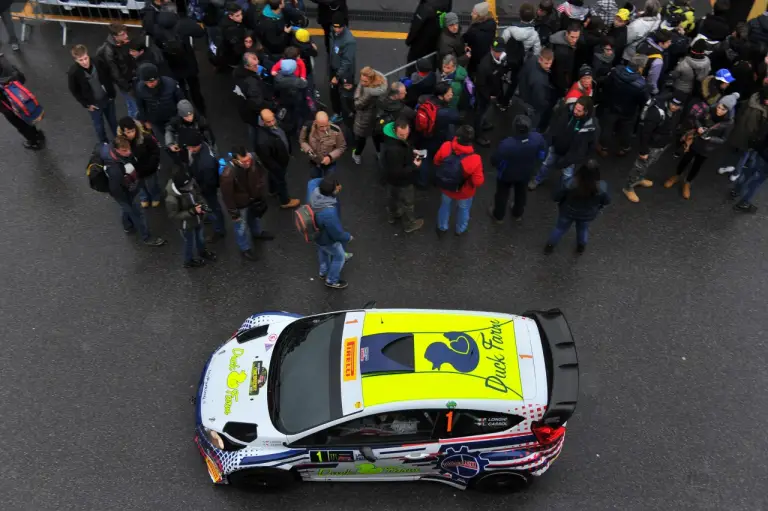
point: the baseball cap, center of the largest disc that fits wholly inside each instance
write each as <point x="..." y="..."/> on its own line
<point x="678" y="98"/>
<point x="623" y="14"/>
<point x="181" y="179"/>
<point x="724" y="76"/>
<point x="498" y="44"/>
<point x="585" y="70"/>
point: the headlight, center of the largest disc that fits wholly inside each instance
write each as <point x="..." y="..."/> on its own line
<point x="215" y="439"/>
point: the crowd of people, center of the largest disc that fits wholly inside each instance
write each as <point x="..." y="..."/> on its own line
<point x="577" y="82"/>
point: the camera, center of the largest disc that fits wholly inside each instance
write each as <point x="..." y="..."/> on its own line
<point x="204" y="208"/>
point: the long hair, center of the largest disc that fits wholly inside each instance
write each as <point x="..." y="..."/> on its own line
<point x="586" y="180"/>
<point x="375" y="78"/>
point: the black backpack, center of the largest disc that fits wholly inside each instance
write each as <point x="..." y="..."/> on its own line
<point x="96" y="171"/>
<point x="515" y="54"/>
<point x="449" y="175"/>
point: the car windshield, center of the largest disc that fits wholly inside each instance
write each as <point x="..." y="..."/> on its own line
<point x="305" y="374"/>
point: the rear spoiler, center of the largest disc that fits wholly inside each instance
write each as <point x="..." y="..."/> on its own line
<point x="562" y="365"/>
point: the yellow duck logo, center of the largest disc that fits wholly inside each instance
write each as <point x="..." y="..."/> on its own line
<point x="235" y="378"/>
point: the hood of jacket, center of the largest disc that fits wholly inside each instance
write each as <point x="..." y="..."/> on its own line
<point x="459" y="149"/>
<point x="267" y="12"/>
<point x="628" y="76"/>
<point x="458" y="76"/>
<point x="172" y="190"/>
<point x="757" y="104"/>
<point x="166" y="19"/>
<point x="319" y="201"/>
<point x="389" y="130"/>
<point x="649" y="47"/>
<point x="699" y="66"/>
<point x="139" y="133"/>
<point x="559" y="38"/>
<point x="390" y="105"/>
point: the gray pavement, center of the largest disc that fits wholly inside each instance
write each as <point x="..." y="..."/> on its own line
<point x="104" y="339"/>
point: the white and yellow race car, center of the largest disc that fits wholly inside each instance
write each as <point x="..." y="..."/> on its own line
<point x="469" y="399"/>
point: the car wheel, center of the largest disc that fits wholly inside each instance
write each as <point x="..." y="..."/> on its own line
<point x="262" y="478"/>
<point x="501" y="482"/>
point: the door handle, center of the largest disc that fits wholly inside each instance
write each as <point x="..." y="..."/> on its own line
<point x="418" y="456"/>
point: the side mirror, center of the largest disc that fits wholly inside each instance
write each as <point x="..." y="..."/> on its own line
<point x="369" y="305"/>
<point x="367" y="453"/>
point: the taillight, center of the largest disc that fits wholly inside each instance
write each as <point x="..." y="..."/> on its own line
<point x="547" y="434"/>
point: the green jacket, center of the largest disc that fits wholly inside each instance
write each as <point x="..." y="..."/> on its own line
<point x="181" y="206"/>
<point x="457" y="84"/>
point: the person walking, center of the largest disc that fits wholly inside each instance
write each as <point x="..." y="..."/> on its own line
<point x="5" y="14"/>
<point x="711" y="130"/>
<point x="331" y="237"/>
<point x="120" y="167"/>
<point x="748" y="130"/>
<point x="515" y="160"/>
<point x="401" y="165"/>
<point x="458" y="174"/>
<point x="643" y="25"/>
<point x="157" y="98"/>
<point x="372" y="86"/>
<point x="203" y="166"/>
<point x="91" y="85"/>
<point x="342" y="65"/>
<point x="243" y="183"/>
<point x="324" y="143"/>
<point x="186" y="206"/>
<point x="34" y="137"/>
<point x="424" y="32"/>
<point x="232" y="45"/>
<point x="579" y="202"/>
<point x="146" y="151"/>
<point x="114" y="52"/>
<point x="326" y="10"/>
<point x="274" y="151"/>
<point x="751" y="179"/>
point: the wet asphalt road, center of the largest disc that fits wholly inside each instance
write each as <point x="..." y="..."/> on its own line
<point x="104" y="339"/>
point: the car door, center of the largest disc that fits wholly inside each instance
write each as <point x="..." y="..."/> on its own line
<point x="371" y="448"/>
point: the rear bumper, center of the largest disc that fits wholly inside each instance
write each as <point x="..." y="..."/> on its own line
<point x="562" y="365"/>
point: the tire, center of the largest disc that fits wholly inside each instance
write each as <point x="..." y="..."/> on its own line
<point x="502" y="482"/>
<point x="262" y="478"/>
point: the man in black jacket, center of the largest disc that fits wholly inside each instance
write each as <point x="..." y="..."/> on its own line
<point x="564" y="66"/>
<point x="115" y="54"/>
<point x="203" y="165"/>
<point x="424" y="32"/>
<point x="144" y="55"/>
<point x="325" y="11"/>
<point x="489" y="85"/>
<point x="388" y="109"/>
<point x="401" y="164"/>
<point x="232" y="36"/>
<point x="149" y="14"/>
<point x="274" y="150"/>
<point x="157" y="98"/>
<point x="535" y="89"/>
<point x="657" y="130"/>
<point x="251" y="91"/>
<point x="35" y="139"/>
<point x="91" y="85"/>
<point x="274" y="30"/>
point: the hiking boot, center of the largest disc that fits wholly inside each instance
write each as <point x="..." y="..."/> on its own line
<point x="293" y="203"/>
<point x="532" y="184"/>
<point x="483" y="142"/>
<point x="645" y="183"/>
<point x="154" y="242"/>
<point x="672" y="181"/>
<point x="580" y="248"/>
<point x="490" y="213"/>
<point x="745" y="207"/>
<point x="264" y="235"/>
<point x="725" y="170"/>
<point x="155" y="203"/>
<point x="416" y="225"/>
<point x="631" y="195"/>
<point x="338" y="285"/>
<point x="548" y="248"/>
<point x="686" y="191"/>
<point x="194" y="263"/>
<point x="356" y="157"/>
<point x="249" y="255"/>
<point x="601" y="151"/>
<point x="208" y="255"/>
<point x="440" y="232"/>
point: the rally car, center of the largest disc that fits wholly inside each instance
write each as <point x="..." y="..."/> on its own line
<point x="469" y="399"/>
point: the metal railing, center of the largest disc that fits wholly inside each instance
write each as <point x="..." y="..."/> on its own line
<point x="408" y="65"/>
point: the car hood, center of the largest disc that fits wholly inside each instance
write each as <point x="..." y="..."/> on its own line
<point x="233" y="387"/>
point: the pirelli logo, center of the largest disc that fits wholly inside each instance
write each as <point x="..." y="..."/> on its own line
<point x="350" y="364"/>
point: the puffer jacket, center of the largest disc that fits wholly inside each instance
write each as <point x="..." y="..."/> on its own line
<point x="688" y="71"/>
<point x="366" y="99"/>
<point x="750" y="118"/>
<point x="322" y="143"/>
<point x="146" y="151"/>
<point x="637" y="31"/>
<point x="717" y="132"/>
<point x="479" y="36"/>
<point x="758" y="30"/>
<point x="424" y="31"/>
<point x="172" y="35"/>
<point x="472" y="164"/>
<point x="158" y="105"/>
<point x="526" y="34"/>
<point x="121" y="65"/>
<point x="575" y="207"/>
<point x="452" y="44"/>
<point x="181" y="206"/>
<point x="177" y="125"/>
<point x="625" y="91"/>
<point x="242" y="187"/>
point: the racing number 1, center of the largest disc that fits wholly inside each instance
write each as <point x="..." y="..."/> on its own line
<point x="319" y="456"/>
<point x="449" y="418"/>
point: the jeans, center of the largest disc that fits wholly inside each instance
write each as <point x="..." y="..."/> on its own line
<point x="216" y="215"/>
<point x="193" y="238"/>
<point x="751" y="179"/>
<point x="8" y="22"/>
<point x="133" y="217"/>
<point x="247" y="221"/>
<point x="563" y="224"/>
<point x="640" y="168"/>
<point x="503" y="189"/>
<point x="130" y="104"/>
<point x="400" y="204"/>
<point x="150" y="191"/>
<point x="97" y="118"/>
<point x="331" y="258"/>
<point x="551" y="158"/>
<point x="321" y="170"/>
<point x="462" y="215"/>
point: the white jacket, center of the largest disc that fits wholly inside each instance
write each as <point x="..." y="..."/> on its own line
<point x="526" y="34"/>
<point x="637" y="31"/>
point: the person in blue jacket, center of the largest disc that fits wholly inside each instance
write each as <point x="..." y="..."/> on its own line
<point x="515" y="160"/>
<point x="332" y="236"/>
<point x="579" y="201"/>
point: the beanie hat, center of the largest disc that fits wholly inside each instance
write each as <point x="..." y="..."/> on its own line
<point x="451" y="18"/>
<point x="126" y="123"/>
<point x="189" y="137"/>
<point x="302" y="35"/>
<point x="181" y="179"/>
<point x="148" y="72"/>
<point x="185" y="108"/>
<point x="521" y="125"/>
<point x="287" y="66"/>
<point x="699" y="46"/>
<point x="137" y="44"/>
<point x="729" y="101"/>
<point x="482" y="9"/>
<point x="339" y="18"/>
<point x="424" y="64"/>
<point x="585" y="70"/>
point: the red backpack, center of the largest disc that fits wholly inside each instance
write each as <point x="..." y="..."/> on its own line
<point x="23" y="103"/>
<point x="426" y="117"/>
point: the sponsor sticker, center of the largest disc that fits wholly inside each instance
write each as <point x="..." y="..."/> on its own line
<point x="350" y="363"/>
<point x="258" y="378"/>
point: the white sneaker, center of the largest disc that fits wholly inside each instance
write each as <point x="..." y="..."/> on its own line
<point x="725" y="170"/>
<point x="734" y="178"/>
<point x="357" y="158"/>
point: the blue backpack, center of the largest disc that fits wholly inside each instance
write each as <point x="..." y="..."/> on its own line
<point x="449" y="175"/>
